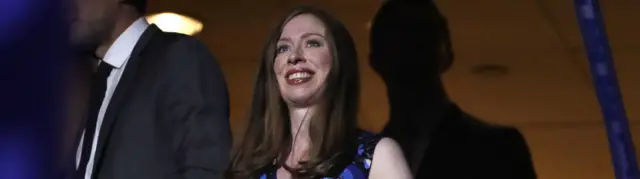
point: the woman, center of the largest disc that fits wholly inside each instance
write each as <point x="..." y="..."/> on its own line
<point x="303" y="118"/>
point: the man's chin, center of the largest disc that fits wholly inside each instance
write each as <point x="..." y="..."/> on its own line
<point x="80" y="48"/>
<point x="81" y="45"/>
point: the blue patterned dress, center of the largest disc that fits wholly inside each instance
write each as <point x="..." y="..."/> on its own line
<point x="359" y="167"/>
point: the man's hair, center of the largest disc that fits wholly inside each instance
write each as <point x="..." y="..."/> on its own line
<point x="140" y="5"/>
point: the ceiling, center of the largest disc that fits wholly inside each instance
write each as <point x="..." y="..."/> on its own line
<point x="547" y="92"/>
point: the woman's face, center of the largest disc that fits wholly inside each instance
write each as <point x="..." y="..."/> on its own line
<point x="303" y="60"/>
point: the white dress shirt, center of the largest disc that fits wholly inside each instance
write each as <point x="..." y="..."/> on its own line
<point x="117" y="56"/>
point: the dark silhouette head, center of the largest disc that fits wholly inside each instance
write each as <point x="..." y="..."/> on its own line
<point x="410" y="49"/>
<point x="95" y="21"/>
<point x="410" y="43"/>
<point x="332" y="126"/>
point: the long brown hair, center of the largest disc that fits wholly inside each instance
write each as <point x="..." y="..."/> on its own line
<point x="333" y="126"/>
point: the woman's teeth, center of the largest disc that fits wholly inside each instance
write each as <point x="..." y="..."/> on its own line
<point x="299" y="75"/>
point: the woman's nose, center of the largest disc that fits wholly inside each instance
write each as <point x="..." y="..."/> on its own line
<point x="296" y="57"/>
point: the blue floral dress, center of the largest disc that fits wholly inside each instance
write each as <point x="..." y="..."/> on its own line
<point x="359" y="167"/>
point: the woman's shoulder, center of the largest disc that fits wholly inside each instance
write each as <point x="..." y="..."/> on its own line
<point x="367" y="142"/>
<point x="388" y="156"/>
<point x="390" y="162"/>
<point x="389" y="159"/>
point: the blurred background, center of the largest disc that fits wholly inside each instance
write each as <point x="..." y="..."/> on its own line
<point x="519" y="63"/>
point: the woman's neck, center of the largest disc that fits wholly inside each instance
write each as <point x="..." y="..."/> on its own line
<point x="300" y="142"/>
<point x="299" y="119"/>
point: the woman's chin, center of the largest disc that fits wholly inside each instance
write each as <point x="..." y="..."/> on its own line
<point x="300" y="101"/>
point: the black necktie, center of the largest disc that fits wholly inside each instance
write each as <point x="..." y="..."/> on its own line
<point x="98" y="90"/>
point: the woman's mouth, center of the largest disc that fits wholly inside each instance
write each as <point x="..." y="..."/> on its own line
<point x="298" y="76"/>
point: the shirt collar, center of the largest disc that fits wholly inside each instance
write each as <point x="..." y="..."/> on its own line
<point x="121" y="49"/>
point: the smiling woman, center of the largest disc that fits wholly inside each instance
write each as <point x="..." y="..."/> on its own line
<point x="172" y="22"/>
<point x="305" y="105"/>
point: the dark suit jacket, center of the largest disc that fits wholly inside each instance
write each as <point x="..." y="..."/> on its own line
<point x="169" y="115"/>
<point x="463" y="147"/>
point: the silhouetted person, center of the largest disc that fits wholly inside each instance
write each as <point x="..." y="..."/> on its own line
<point x="410" y="48"/>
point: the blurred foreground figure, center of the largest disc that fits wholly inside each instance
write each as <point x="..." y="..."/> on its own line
<point x="33" y="57"/>
<point x="410" y="48"/>
<point x="158" y="101"/>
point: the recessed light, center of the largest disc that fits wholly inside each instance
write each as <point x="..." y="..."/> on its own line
<point x="172" y="22"/>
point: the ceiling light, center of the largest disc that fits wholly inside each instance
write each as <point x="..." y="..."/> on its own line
<point x="172" y="22"/>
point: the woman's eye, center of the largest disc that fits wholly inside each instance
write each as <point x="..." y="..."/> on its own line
<point x="282" y="48"/>
<point x="313" y="43"/>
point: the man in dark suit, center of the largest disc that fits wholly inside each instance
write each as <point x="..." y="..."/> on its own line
<point x="410" y="48"/>
<point x="158" y="101"/>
